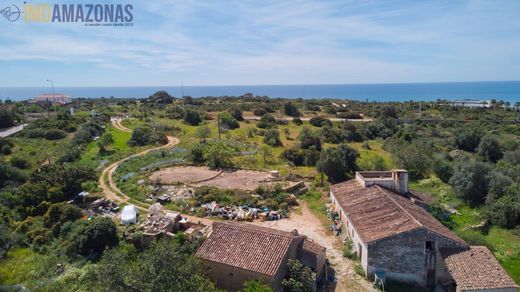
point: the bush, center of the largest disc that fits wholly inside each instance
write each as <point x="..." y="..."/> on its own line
<point x="297" y="121"/>
<point x="146" y="136"/>
<point x="471" y="181"/>
<point x="20" y="162"/>
<point x="35" y="133"/>
<point x="55" y="134"/>
<point x="6" y="150"/>
<point x="291" y="110"/>
<point x="295" y="156"/>
<point x="272" y="138"/>
<point x="266" y="122"/>
<point x="192" y="117"/>
<point x="349" y="115"/>
<point x="347" y="250"/>
<point x="259" y="112"/>
<point x="468" y="138"/>
<point x="489" y="149"/>
<point x="227" y="121"/>
<point x="307" y="139"/>
<point x="320" y="121"/>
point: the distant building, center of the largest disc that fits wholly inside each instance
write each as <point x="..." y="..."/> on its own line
<point x="54" y="99"/>
<point x="237" y="253"/>
<point x="248" y="95"/>
<point x="472" y="103"/>
<point x="396" y="237"/>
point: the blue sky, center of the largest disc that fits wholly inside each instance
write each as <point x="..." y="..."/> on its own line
<point x="271" y="42"/>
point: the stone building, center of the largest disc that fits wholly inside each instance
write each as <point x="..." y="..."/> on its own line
<point x="238" y="252"/>
<point x="391" y="233"/>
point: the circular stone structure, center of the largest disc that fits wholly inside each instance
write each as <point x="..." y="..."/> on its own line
<point x="183" y="174"/>
<point x="198" y="176"/>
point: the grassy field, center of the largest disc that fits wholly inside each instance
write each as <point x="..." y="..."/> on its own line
<point x="502" y="242"/>
<point x="24" y="266"/>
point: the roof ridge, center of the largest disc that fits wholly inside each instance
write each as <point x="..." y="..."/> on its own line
<point x="257" y="228"/>
<point x="400" y="207"/>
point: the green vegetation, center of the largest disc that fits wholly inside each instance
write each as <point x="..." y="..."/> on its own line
<point x="467" y="159"/>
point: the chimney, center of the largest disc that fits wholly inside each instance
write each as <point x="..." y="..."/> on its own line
<point x="400" y="181"/>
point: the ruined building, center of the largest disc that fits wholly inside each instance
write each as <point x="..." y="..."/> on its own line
<point x="394" y="235"/>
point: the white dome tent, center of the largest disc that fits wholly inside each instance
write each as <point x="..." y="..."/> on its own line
<point x="129" y="215"/>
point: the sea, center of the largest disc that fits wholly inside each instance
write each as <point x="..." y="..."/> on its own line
<point x="508" y="91"/>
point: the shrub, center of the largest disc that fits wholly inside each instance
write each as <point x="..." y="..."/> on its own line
<point x="259" y="112"/>
<point x="298" y="121"/>
<point x="35" y="133"/>
<point x="145" y="136"/>
<point x="192" y="117"/>
<point x="55" y="134"/>
<point x="320" y="121"/>
<point x="349" y="115"/>
<point x="291" y="110"/>
<point x="20" y="162"/>
<point x="347" y="250"/>
<point x="267" y="121"/>
<point x="227" y="121"/>
<point x="6" y="150"/>
<point x="272" y="138"/>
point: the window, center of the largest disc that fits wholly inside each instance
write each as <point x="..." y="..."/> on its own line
<point x="430" y="246"/>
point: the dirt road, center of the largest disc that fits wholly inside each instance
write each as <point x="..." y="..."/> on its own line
<point x="308" y="224"/>
<point x="113" y="193"/>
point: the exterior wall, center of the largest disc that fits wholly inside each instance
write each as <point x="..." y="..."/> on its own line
<point x="313" y="261"/>
<point x="233" y="278"/>
<point x="350" y="232"/>
<point x="403" y="257"/>
<point x="490" y="290"/>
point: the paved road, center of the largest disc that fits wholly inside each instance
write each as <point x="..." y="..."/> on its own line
<point x="11" y="131"/>
<point x="255" y="118"/>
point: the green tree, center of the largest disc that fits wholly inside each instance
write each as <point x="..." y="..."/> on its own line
<point x="192" y="117"/>
<point x="468" y="138"/>
<point x="236" y="113"/>
<point x="96" y="235"/>
<point x="300" y="278"/>
<point x="218" y="154"/>
<point x="291" y="110"/>
<point x="7" y="118"/>
<point x="227" y="121"/>
<point x="471" y="181"/>
<point x="203" y="133"/>
<point x="272" y="138"/>
<point x="256" y="286"/>
<point x="307" y="139"/>
<point x="489" y="149"/>
<point x="338" y="163"/>
<point x="146" y="136"/>
<point x="416" y="157"/>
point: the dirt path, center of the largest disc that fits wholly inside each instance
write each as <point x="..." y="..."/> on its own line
<point x="308" y="224"/>
<point x="113" y="193"/>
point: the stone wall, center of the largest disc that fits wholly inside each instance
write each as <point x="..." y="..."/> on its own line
<point x="403" y="256"/>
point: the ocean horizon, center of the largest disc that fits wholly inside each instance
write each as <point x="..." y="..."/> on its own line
<point x="508" y="91"/>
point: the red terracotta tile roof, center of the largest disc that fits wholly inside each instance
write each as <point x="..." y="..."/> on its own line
<point x="476" y="269"/>
<point x="313" y="247"/>
<point x="377" y="213"/>
<point x="247" y="246"/>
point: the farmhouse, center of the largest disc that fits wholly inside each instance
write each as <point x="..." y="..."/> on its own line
<point x="394" y="236"/>
<point x="239" y="252"/>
